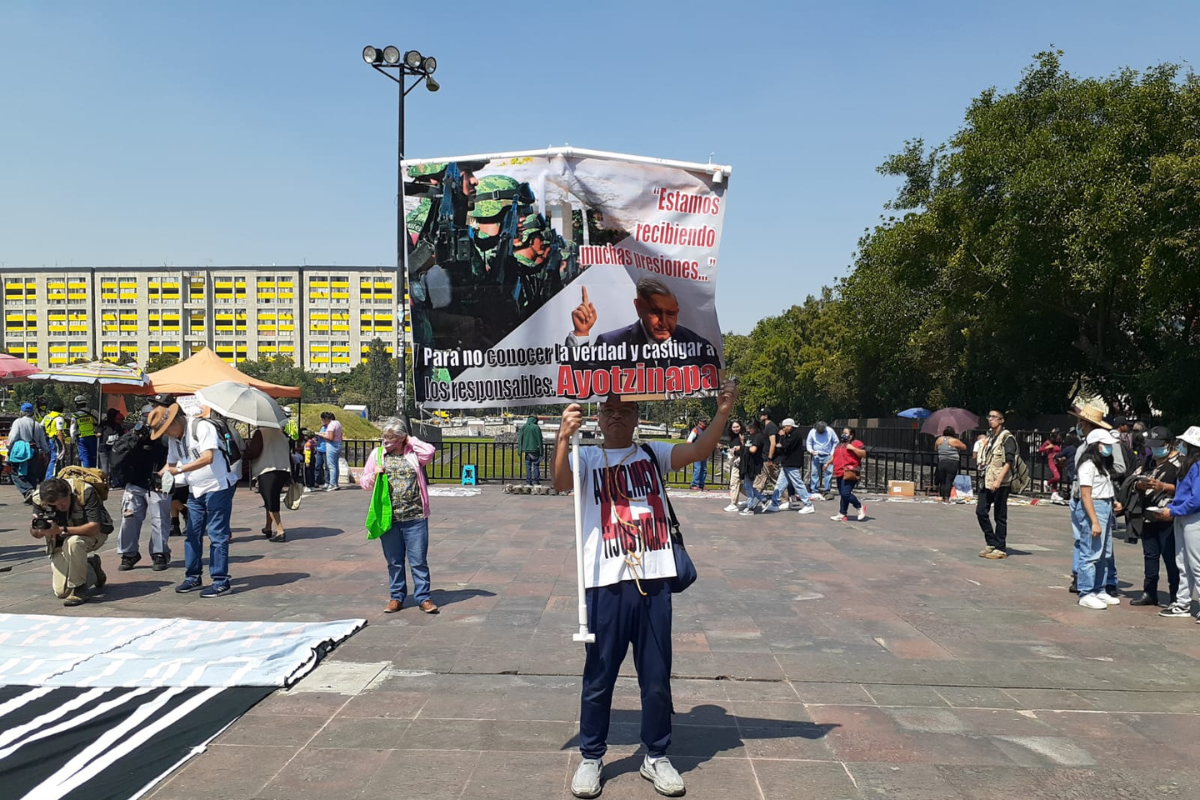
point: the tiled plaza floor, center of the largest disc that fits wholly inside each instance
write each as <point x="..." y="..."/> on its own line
<point x="814" y="659"/>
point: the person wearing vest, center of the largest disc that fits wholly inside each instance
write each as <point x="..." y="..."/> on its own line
<point x="995" y="472"/>
<point x="55" y="426"/>
<point x="400" y="461"/>
<point x="83" y="432"/>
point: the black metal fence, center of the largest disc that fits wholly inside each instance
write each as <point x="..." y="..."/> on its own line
<point x="500" y="462"/>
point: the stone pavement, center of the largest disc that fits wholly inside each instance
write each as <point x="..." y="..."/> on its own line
<point x="814" y="659"/>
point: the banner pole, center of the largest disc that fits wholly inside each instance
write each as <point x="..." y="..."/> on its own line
<point x="584" y="635"/>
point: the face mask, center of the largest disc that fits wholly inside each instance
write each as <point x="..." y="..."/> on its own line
<point x="845" y="437"/>
<point x="1161" y="452"/>
<point x="1182" y="448"/>
<point x="1106" y="450"/>
<point x="1078" y="431"/>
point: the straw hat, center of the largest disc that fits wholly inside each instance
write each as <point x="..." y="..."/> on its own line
<point x="160" y="418"/>
<point x="1091" y="414"/>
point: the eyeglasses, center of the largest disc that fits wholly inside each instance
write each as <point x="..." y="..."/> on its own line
<point x="995" y="416"/>
<point x="627" y="413"/>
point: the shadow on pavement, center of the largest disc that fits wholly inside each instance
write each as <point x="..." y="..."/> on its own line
<point x="127" y="591"/>
<point x="709" y="730"/>
<point x="444" y="597"/>
<point x="262" y="581"/>
<point x="312" y="533"/>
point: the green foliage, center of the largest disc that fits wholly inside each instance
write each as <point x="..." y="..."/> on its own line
<point x="1051" y="245"/>
<point x="373" y="382"/>
<point x="353" y="427"/>
<point x="161" y="362"/>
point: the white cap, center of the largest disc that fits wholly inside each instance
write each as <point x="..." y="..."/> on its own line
<point x="788" y="423"/>
<point x="1192" y="436"/>
<point x="1102" y="436"/>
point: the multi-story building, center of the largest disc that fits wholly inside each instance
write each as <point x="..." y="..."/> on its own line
<point x="322" y="318"/>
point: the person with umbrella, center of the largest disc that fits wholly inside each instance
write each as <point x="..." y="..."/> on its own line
<point x="270" y="462"/>
<point x="995" y="483"/>
<point x="269" y="449"/>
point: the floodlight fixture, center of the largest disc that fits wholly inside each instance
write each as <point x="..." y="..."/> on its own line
<point x="412" y="59"/>
<point x="429" y="65"/>
<point x="431" y="84"/>
<point x="372" y="55"/>
<point x="391" y="55"/>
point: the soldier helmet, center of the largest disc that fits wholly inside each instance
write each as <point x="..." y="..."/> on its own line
<point x="531" y="225"/>
<point x="427" y="170"/>
<point x="493" y="194"/>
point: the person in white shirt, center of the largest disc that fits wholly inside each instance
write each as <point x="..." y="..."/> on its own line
<point x="211" y="482"/>
<point x="820" y="444"/>
<point x="629" y="562"/>
<point x="1097" y="496"/>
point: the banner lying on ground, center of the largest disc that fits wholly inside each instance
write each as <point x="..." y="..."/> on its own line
<point x="562" y="276"/>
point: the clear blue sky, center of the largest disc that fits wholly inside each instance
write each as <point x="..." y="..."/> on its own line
<point x="251" y="132"/>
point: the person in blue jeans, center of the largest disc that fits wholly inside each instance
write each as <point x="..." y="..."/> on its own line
<point x="700" y="468"/>
<point x="399" y="461"/>
<point x="820" y="444"/>
<point x="206" y="468"/>
<point x="791" y="468"/>
<point x="1097" y="498"/>
<point x="331" y="434"/>
<point x="531" y="450"/>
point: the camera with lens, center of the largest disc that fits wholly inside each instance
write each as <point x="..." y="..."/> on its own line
<point x="42" y="520"/>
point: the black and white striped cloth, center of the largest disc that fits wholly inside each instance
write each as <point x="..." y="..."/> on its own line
<point x="102" y="709"/>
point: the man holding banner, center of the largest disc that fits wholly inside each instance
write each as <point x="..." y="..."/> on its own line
<point x="628" y="561"/>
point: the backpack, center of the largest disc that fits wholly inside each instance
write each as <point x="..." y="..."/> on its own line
<point x="78" y="476"/>
<point x="233" y="446"/>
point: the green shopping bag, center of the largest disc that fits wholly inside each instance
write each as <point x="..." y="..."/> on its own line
<point x="379" y="515"/>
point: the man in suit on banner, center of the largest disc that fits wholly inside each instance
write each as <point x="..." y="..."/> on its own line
<point x="657" y="325"/>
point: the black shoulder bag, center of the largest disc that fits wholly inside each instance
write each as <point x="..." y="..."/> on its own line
<point x="685" y="570"/>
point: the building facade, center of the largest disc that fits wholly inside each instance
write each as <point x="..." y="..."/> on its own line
<point x="322" y="318"/>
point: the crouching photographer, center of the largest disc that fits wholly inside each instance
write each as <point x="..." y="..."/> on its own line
<point x="72" y="519"/>
<point x="135" y="462"/>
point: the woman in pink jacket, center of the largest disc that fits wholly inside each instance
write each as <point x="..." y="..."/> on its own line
<point x="403" y="457"/>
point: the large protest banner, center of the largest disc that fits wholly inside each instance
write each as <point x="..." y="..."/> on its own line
<point x="562" y="275"/>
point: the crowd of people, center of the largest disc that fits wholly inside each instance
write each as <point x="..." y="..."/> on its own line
<point x="766" y="463"/>
<point x="179" y="472"/>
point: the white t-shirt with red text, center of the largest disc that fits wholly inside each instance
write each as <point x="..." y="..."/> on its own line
<point x="628" y="490"/>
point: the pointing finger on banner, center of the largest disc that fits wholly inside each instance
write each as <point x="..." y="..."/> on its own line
<point x="584" y="316"/>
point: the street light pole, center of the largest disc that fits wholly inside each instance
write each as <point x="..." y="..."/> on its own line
<point x="422" y="68"/>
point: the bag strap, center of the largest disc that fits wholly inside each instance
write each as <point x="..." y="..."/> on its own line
<point x="676" y="533"/>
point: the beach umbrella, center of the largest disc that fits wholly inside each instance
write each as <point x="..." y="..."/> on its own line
<point x="915" y="413"/>
<point x="243" y="403"/>
<point x="958" y="418"/>
<point x="13" y="369"/>
<point x="95" y="372"/>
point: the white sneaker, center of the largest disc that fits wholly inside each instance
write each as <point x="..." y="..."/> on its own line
<point x="746" y="512"/>
<point x="665" y="777"/>
<point x="808" y="510"/>
<point x="1093" y="602"/>
<point x="333" y="488"/>
<point x="786" y="505"/>
<point x="308" y="490"/>
<point x="839" y="518"/>
<point x="816" y="496"/>
<point x="862" y="513"/>
<point x="771" y="509"/>
<point x="1055" y="497"/>
<point x="731" y="507"/>
<point x="1108" y="599"/>
<point x="586" y="782"/>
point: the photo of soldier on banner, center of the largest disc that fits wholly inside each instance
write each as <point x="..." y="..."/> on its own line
<point x="561" y="276"/>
